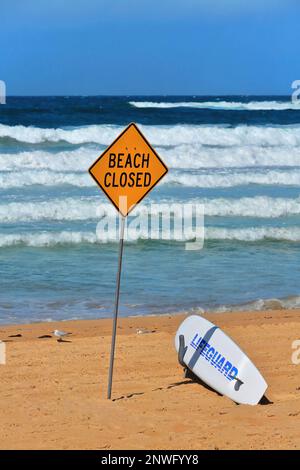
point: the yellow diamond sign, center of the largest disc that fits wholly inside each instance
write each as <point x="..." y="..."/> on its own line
<point x="128" y="169"/>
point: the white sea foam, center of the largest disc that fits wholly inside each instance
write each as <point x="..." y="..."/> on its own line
<point x="69" y="209"/>
<point x="205" y="179"/>
<point x="44" y="239"/>
<point x="290" y="302"/>
<point x="44" y="178"/>
<point x="75" y="209"/>
<point x="198" y="156"/>
<point x="193" y="156"/>
<point x="258" y="206"/>
<point x="72" y="161"/>
<point x="253" y="234"/>
<point x="49" y="239"/>
<point x="231" y="179"/>
<point x="162" y="135"/>
<point x="224" y="105"/>
<point x="80" y="135"/>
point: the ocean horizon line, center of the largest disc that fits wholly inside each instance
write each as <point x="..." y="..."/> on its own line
<point x="191" y="95"/>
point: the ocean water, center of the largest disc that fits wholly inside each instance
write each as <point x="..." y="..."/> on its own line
<point x="239" y="156"/>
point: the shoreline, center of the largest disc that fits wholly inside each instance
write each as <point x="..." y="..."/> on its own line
<point x="273" y="305"/>
<point x="290" y="302"/>
<point x="212" y="315"/>
<point x="53" y="395"/>
<point x="209" y="314"/>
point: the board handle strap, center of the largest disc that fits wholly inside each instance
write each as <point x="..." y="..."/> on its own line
<point x="182" y="350"/>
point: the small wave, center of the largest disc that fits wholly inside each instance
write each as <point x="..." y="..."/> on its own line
<point x="45" y="178"/>
<point x="205" y="179"/>
<point x="75" y="209"/>
<point x="227" y="180"/>
<point x="196" y="156"/>
<point x="69" y="209"/>
<point x="47" y="239"/>
<point x="193" y="156"/>
<point x="72" y="161"/>
<point x="222" y="105"/>
<point x="51" y="239"/>
<point x="259" y="206"/>
<point x="162" y="135"/>
<point x="290" y="302"/>
<point x="253" y="234"/>
<point x="101" y="134"/>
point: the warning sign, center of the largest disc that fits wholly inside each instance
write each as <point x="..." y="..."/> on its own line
<point x="128" y="169"/>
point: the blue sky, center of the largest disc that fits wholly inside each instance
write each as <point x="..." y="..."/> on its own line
<point x="149" y="46"/>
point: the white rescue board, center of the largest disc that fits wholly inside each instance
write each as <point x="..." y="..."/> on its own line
<point x="219" y="362"/>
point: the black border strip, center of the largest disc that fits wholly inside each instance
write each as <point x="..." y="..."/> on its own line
<point x="105" y="458"/>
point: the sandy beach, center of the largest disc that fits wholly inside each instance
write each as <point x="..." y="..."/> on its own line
<point x="52" y="394"/>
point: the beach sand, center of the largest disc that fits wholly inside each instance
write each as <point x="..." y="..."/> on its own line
<point x="52" y="395"/>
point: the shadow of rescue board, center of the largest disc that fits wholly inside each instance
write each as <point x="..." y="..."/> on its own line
<point x="219" y="362"/>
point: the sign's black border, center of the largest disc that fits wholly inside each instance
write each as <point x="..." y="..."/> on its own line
<point x="106" y="150"/>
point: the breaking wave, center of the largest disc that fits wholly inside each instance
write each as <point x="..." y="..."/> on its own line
<point x="50" y="239"/>
<point x="44" y="178"/>
<point x="75" y="209"/>
<point x="201" y="180"/>
<point x="223" y="105"/>
<point x="253" y="234"/>
<point x="289" y="302"/>
<point x="258" y="206"/>
<point x="178" y="134"/>
<point x="193" y="156"/>
<point x="227" y="180"/>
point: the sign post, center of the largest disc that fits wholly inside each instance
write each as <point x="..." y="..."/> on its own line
<point x="116" y="310"/>
<point x="126" y="171"/>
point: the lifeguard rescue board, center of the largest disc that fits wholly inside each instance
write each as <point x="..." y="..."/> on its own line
<point x="219" y="362"/>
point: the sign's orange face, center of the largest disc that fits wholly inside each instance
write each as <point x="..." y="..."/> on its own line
<point x="128" y="169"/>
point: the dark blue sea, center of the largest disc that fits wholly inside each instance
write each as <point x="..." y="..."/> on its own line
<point x="237" y="156"/>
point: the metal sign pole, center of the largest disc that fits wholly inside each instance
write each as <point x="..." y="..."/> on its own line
<point x="115" y="319"/>
<point x="126" y="186"/>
